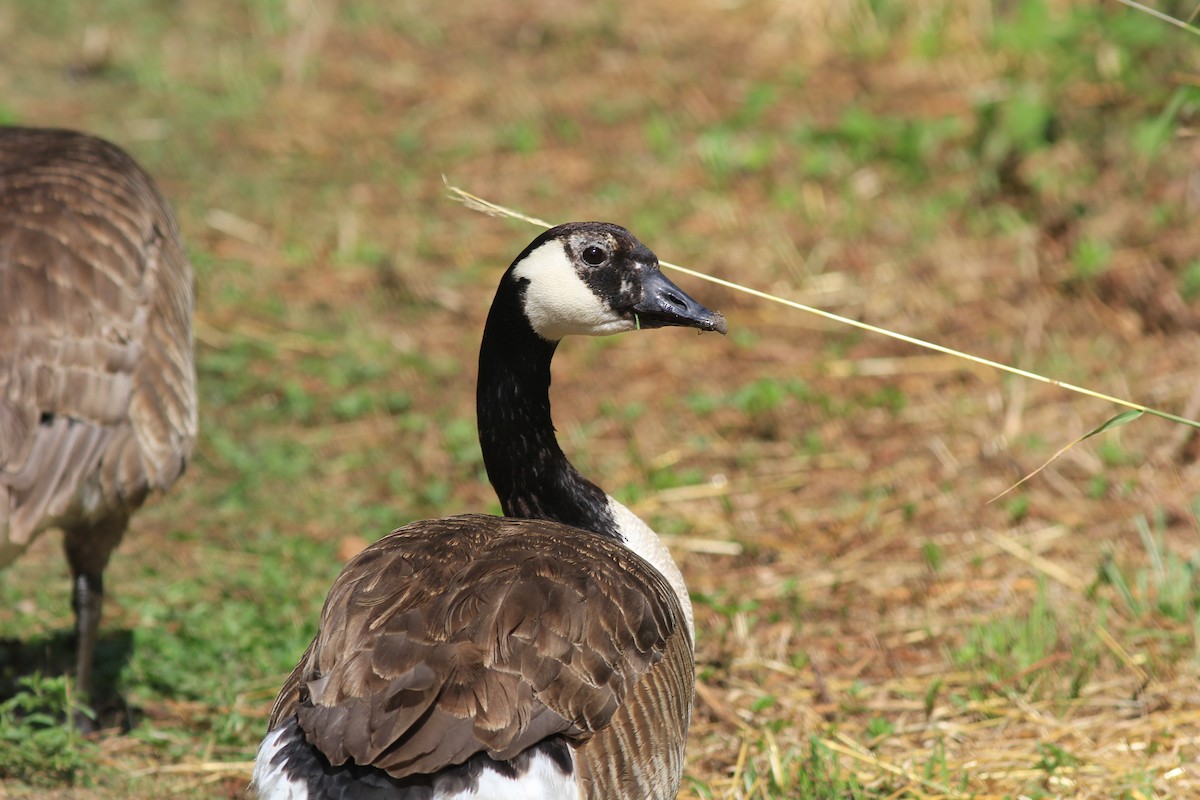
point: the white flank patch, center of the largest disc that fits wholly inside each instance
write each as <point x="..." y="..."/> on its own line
<point x="270" y="782"/>
<point x="557" y="301"/>
<point x="641" y="539"/>
<point x="542" y="781"/>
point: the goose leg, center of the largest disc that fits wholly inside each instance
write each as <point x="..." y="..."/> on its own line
<point x="88" y="550"/>
<point x="87" y="598"/>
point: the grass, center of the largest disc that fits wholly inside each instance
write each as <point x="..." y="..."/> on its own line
<point x="1006" y="179"/>
<point x="35" y="747"/>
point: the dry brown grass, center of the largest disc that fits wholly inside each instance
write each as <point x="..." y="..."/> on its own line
<point x="865" y="558"/>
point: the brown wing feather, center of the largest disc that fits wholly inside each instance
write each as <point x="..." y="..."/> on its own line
<point x="641" y="753"/>
<point x="477" y="634"/>
<point x="97" y="381"/>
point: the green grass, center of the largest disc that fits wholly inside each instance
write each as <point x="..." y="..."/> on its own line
<point x="36" y="748"/>
<point x="1035" y="653"/>
<point x="1162" y="597"/>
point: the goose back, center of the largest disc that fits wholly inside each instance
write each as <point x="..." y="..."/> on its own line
<point x="465" y="637"/>
<point x="97" y="380"/>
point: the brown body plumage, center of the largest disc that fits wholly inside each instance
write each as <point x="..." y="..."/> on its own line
<point x="97" y="381"/>
<point x="578" y="636"/>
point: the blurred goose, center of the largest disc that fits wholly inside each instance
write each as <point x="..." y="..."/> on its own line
<point x="97" y="383"/>
<point x="544" y="654"/>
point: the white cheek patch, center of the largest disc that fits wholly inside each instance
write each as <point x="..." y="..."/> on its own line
<point x="557" y="301"/>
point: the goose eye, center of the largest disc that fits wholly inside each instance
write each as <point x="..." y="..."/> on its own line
<point x="594" y="256"/>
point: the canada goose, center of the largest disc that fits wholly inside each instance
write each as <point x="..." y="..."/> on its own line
<point x="97" y="382"/>
<point x="543" y="654"/>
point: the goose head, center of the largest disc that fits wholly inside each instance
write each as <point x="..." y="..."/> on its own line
<point x="583" y="278"/>
<point x="597" y="279"/>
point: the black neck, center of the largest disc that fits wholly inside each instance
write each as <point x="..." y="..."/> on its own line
<point x="531" y="475"/>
